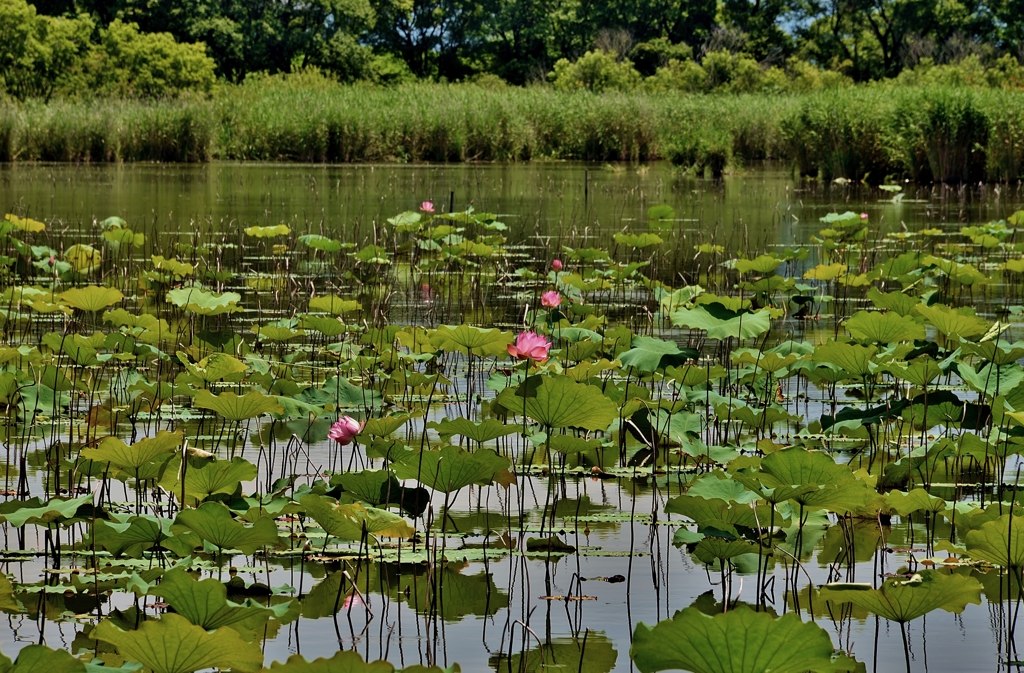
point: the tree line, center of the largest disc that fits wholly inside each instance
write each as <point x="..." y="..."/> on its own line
<point x="156" y="47"/>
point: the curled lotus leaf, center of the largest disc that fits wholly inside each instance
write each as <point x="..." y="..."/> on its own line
<point x="450" y="468"/>
<point x="901" y="599"/>
<point x="1000" y="542"/>
<point x="204" y="302"/>
<point x="172" y="644"/>
<point x="354" y="520"/>
<point x="737" y="641"/>
<point x="884" y="328"/>
<point x="268" y="232"/>
<point x="238" y="407"/>
<point x="723" y="323"/>
<point x="212" y="521"/>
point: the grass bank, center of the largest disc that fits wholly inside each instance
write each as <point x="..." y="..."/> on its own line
<point x="925" y="133"/>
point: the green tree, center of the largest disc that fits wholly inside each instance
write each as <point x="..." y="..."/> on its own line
<point x="40" y="54"/>
<point x="131" y="63"/>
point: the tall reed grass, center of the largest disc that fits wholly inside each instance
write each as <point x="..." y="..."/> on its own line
<point x="874" y="132"/>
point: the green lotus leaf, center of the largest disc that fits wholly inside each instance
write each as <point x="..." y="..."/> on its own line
<point x="39" y="658"/>
<point x="466" y="339"/>
<point x="994" y="352"/>
<point x="1000" y="542"/>
<point x="568" y="444"/>
<point x="91" y="298"/>
<point x="276" y="332"/>
<point x="920" y="371"/>
<point x="74" y="346"/>
<point x="172" y="644"/>
<point x="661" y="212"/>
<point x="723" y="323"/>
<point x="450" y="468"/>
<point x="901" y="599"/>
<point x="346" y="661"/>
<point x="56" y="510"/>
<point x="119" y="237"/>
<point x="83" y="258"/>
<point x="112" y="450"/>
<point x="340" y="392"/>
<point x="790" y="471"/>
<point x="374" y="487"/>
<point x="212" y="521"/>
<point x="562" y="654"/>
<point x="204" y="302"/>
<point x="884" y="328"/>
<point x="333" y="304"/>
<point x="9" y="603"/>
<point x="826" y="272"/>
<point x="959" y="323"/>
<point x="644" y="240"/>
<point x="135" y="535"/>
<point x="215" y="367"/>
<point x="917" y="500"/>
<point x="854" y="359"/>
<point x="560" y="402"/>
<point x="372" y="254"/>
<point x="268" y="232"/>
<point x="485" y="431"/>
<point x="711" y="549"/>
<point x="26" y="224"/>
<point x="329" y="327"/>
<point x="353" y="521"/>
<point x="737" y="641"/>
<point x="649" y="355"/>
<point x="318" y="242"/>
<point x="717" y="513"/>
<point x="220" y="476"/>
<point x="173" y="266"/>
<point x="762" y="265"/>
<point x="205" y="603"/>
<point x="896" y="302"/>
<point x="991" y="377"/>
<point x="238" y="408"/>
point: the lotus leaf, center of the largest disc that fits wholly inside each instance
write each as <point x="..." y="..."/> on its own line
<point x="854" y="359"/>
<point x="466" y="339"/>
<point x="353" y="521"/>
<point x="723" y="323"/>
<point x="215" y="367"/>
<point x="238" y="408"/>
<point x="904" y="599"/>
<point x="884" y="328"/>
<point x="35" y="658"/>
<point x="761" y="265"/>
<point x="598" y="655"/>
<point x="172" y="644"/>
<point x="711" y="549"/>
<point x="318" y="242"/>
<point x="268" y="232"/>
<point x="205" y="603"/>
<point x="333" y="304"/>
<point x="345" y="661"/>
<point x="92" y="298"/>
<point x="962" y="323"/>
<point x="220" y="476"/>
<point x="560" y="402"/>
<point x="917" y="500"/>
<point x="204" y="302"/>
<point x="484" y="431"/>
<point x="112" y="450"/>
<point x="1000" y="542"/>
<point x="213" y="522"/>
<point x="450" y="468"/>
<point x="649" y="355"/>
<point x="25" y="224"/>
<point x="737" y="641"/>
<point x="56" y="510"/>
<point x="83" y="258"/>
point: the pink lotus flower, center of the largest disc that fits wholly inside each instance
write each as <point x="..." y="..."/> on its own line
<point x="556" y="265"/>
<point x="550" y="299"/>
<point x="427" y="207"/>
<point x="863" y="216"/>
<point x="530" y="346"/>
<point x="345" y="429"/>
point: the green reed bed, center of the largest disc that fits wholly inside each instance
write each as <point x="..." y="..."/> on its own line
<point x="873" y="132"/>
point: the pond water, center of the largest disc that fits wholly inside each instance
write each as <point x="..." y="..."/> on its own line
<point x="480" y="596"/>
